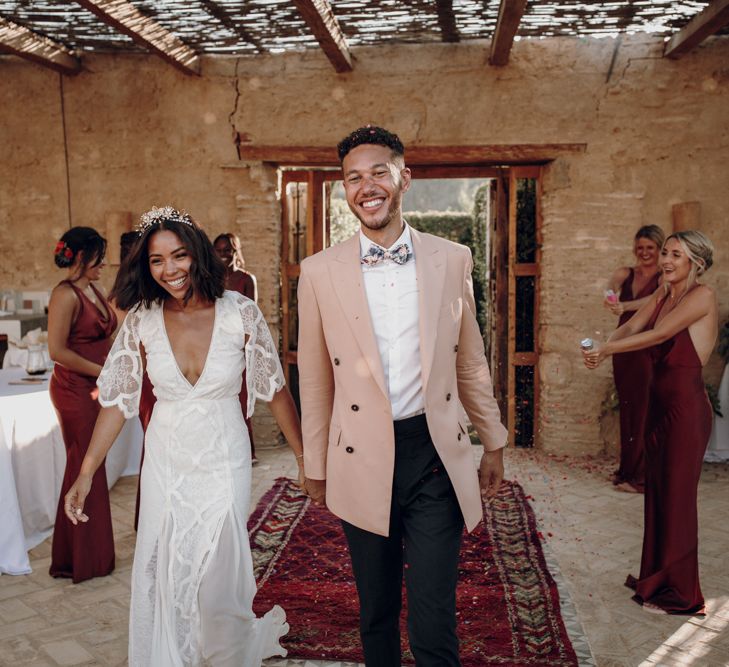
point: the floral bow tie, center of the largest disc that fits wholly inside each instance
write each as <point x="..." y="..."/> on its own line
<point x="399" y="254"/>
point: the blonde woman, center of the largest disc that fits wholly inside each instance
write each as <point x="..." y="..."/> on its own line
<point x="679" y="323"/>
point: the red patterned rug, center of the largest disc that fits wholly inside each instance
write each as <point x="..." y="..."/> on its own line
<point x="508" y="604"/>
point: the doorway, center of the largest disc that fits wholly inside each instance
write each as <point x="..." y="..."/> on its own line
<point x="502" y="228"/>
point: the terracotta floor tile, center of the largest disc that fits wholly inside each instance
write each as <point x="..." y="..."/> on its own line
<point x="595" y="543"/>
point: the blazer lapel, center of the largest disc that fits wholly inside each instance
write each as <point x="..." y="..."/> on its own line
<point x="346" y="276"/>
<point x="430" y="268"/>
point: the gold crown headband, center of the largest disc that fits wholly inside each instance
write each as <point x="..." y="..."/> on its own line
<point x="156" y="215"/>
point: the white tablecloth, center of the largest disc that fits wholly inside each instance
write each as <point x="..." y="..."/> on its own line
<point x="15" y="357"/>
<point x="718" y="449"/>
<point x="32" y="461"/>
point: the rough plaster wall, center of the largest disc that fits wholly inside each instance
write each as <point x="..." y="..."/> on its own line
<point x="139" y="133"/>
<point x="657" y="133"/>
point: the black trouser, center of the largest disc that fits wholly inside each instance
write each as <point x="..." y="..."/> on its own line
<point x="426" y="520"/>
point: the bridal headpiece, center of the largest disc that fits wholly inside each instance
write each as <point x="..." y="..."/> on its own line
<point x="156" y="215"/>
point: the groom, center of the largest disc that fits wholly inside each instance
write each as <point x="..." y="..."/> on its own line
<point x="388" y="348"/>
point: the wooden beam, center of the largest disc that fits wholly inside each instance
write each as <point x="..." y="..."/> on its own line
<point x="510" y="13"/>
<point x="324" y="26"/>
<point x="447" y="21"/>
<point x="126" y="18"/>
<point x="703" y="25"/>
<point x="19" y="41"/>
<point x="214" y="9"/>
<point x="416" y="155"/>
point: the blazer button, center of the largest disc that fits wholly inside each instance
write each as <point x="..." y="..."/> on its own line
<point x="448" y="397"/>
<point x="459" y="436"/>
<point x="336" y="361"/>
<point x="355" y="407"/>
<point x="349" y="450"/>
<point x="455" y="348"/>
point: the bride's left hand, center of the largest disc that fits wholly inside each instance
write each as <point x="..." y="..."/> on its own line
<point x="302" y="477"/>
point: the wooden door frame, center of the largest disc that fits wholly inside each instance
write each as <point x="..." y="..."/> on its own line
<point x="515" y="271"/>
<point x="505" y="358"/>
<point x="316" y="238"/>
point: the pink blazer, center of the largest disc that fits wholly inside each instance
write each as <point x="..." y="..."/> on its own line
<point x="346" y="413"/>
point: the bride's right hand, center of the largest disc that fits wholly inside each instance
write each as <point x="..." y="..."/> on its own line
<point x="73" y="503"/>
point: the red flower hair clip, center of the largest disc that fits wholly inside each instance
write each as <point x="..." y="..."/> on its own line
<point x="62" y="248"/>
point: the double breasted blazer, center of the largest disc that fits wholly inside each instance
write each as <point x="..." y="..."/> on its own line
<point x="346" y="412"/>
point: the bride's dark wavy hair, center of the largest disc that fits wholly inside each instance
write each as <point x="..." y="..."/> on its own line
<point x="134" y="283"/>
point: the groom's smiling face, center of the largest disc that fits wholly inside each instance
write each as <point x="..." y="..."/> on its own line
<point x="374" y="182"/>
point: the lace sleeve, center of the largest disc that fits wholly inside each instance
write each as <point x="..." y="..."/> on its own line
<point x="264" y="375"/>
<point x="120" y="381"/>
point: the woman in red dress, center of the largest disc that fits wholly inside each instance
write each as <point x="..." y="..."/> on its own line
<point x="80" y="326"/>
<point x="631" y="287"/>
<point x="227" y="247"/>
<point x="680" y="324"/>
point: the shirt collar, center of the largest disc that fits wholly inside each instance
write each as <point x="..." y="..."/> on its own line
<point x="365" y="243"/>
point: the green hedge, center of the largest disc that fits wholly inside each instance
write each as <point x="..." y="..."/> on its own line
<point x="452" y="225"/>
<point x="467" y="229"/>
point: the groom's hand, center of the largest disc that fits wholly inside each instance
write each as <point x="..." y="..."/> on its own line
<point x="316" y="489"/>
<point x="491" y="473"/>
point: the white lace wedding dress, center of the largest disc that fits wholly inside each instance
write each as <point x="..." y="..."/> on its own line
<point x="192" y="579"/>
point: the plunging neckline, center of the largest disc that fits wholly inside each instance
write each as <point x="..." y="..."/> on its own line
<point x="105" y="317"/>
<point x="659" y="308"/>
<point x="207" y="355"/>
<point x="639" y="294"/>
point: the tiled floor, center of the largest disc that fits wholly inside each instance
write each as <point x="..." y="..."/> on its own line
<point x="592" y="539"/>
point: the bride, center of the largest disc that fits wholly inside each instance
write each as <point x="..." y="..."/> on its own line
<point x="192" y="579"/>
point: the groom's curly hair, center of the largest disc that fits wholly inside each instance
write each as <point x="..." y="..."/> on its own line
<point x="371" y="134"/>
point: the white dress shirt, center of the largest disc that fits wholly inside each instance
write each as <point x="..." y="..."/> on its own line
<point x="392" y="295"/>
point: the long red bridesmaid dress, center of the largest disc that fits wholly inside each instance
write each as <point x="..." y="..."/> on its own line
<point x="86" y="550"/>
<point x="632" y="372"/>
<point x="245" y="283"/>
<point x="679" y="427"/>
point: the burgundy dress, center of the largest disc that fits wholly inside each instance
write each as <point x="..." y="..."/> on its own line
<point x="86" y="550"/>
<point x="245" y="283"/>
<point x="632" y="373"/>
<point x="679" y="427"/>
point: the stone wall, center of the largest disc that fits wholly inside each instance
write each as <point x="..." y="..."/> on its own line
<point x="139" y="133"/>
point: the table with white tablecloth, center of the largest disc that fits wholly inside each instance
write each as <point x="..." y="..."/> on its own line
<point x="32" y="461"/>
<point x="15" y="357"/>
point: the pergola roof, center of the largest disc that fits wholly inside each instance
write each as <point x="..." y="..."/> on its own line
<point x="240" y="27"/>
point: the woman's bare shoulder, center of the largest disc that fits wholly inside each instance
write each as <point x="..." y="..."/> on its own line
<point x="704" y="295"/>
<point x="63" y="293"/>
<point x="620" y="274"/>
